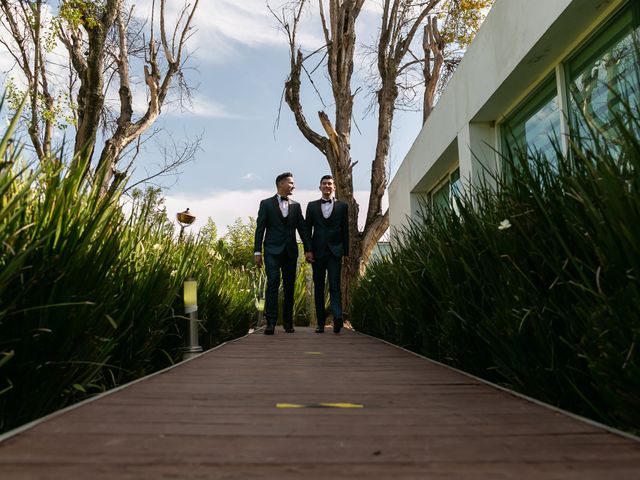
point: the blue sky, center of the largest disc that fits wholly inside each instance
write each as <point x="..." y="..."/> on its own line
<point x="241" y="62"/>
<point x="238" y="66"/>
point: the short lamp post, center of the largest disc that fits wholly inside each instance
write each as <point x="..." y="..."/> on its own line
<point x="191" y="307"/>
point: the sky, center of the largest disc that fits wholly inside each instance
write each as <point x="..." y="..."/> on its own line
<point x="238" y="65"/>
<point x="240" y="62"/>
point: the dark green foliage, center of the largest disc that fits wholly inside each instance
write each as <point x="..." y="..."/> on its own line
<point x="533" y="284"/>
<point x="237" y="245"/>
<point x="91" y="298"/>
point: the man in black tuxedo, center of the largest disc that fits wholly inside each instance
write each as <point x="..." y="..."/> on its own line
<point x="278" y="219"/>
<point x="328" y="224"/>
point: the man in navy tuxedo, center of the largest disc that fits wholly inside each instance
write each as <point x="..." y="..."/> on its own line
<point x="328" y="224"/>
<point x="278" y="219"/>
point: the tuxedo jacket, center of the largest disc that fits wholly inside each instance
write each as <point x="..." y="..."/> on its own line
<point x="328" y="233"/>
<point x="277" y="232"/>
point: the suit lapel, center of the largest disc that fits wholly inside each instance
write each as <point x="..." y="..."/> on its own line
<point x="319" y="212"/>
<point x="276" y="205"/>
<point x="334" y="210"/>
<point x="290" y="216"/>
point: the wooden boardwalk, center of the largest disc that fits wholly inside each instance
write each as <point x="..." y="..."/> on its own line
<point x="220" y="416"/>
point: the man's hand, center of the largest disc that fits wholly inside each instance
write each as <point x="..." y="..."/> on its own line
<point x="308" y="256"/>
<point x="257" y="259"/>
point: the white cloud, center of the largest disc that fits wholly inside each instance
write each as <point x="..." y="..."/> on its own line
<point x="223" y="25"/>
<point x="209" y="109"/>
<point x="251" y="177"/>
<point x="373" y="6"/>
<point x="224" y="207"/>
<point x="204" y="108"/>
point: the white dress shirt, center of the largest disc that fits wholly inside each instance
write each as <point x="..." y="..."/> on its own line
<point x="327" y="207"/>
<point x="284" y="206"/>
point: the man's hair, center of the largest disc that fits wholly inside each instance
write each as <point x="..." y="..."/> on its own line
<point x="282" y="176"/>
<point x="326" y="177"/>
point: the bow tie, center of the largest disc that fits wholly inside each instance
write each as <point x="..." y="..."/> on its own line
<point x="325" y="201"/>
<point x="284" y="199"/>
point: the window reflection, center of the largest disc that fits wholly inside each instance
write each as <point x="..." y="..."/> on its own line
<point x="602" y="77"/>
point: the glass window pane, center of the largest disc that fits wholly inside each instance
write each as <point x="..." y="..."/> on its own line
<point x="602" y="76"/>
<point x="456" y="183"/>
<point x="534" y="126"/>
<point x="440" y="196"/>
<point x="456" y="189"/>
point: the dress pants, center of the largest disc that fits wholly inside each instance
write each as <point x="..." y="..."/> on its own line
<point x="327" y="264"/>
<point x="274" y="266"/>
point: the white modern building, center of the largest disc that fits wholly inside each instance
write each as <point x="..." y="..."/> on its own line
<point x="532" y="67"/>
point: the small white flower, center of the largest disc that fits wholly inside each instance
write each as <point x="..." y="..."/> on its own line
<point x="504" y="224"/>
<point x="157" y="246"/>
<point x="173" y="273"/>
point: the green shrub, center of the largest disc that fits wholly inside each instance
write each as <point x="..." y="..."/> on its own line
<point x="91" y="298"/>
<point x="533" y="284"/>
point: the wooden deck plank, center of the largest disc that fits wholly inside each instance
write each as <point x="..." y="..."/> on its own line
<point x="216" y="417"/>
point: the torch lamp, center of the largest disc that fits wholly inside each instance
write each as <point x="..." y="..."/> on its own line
<point x="184" y="219"/>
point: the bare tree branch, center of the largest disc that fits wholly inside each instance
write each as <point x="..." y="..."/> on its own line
<point x="292" y="85"/>
<point x="174" y="156"/>
<point x="433" y="46"/>
<point x="158" y="84"/>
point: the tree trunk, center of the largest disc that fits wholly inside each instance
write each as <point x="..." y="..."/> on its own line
<point x="90" y="97"/>
<point x="433" y="46"/>
<point x="400" y="21"/>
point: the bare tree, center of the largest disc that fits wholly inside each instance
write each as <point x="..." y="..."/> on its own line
<point x="400" y="22"/>
<point x="448" y="27"/>
<point x="103" y="41"/>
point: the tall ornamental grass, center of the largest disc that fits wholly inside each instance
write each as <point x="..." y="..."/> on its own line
<point x="533" y="284"/>
<point x="91" y="298"/>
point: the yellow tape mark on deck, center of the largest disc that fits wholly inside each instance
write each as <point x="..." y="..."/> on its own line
<point x="314" y="353"/>
<point x="319" y="405"/>
<point x="341" y="405"/>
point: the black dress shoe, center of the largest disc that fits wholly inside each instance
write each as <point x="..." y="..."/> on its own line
<point x="289" y="329"/>
<point x="269" y="330"/>
<point x="337" y="325"/>
<point x="319" y="329"/>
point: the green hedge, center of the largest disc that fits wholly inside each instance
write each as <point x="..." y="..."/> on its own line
<point x="533" y="284"/>
<point x="91" y="298"/>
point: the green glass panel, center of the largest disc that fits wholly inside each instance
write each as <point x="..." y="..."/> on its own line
<point x="456" y="189"/>
<point x="456" y="183"/>
<point x="440" y="196"/>
<point x="535" y="125"/>
<point x="602" y="76"/>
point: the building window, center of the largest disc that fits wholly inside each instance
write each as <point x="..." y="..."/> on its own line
<point x="445" y="192"/>
<point x="601" y="77"/>
<point x="533" y="128"/>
